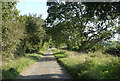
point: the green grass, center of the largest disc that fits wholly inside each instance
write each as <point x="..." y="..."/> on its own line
<point x="60" y="54"/>
<point x="42" y="51"/>
<point x="12" y="69"/>
<point x="90" y="66"/>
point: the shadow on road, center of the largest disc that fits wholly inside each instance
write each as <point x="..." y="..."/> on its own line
<point x="47" y="59"/>
<point x="48" y="55"/>
<point x="44" y="76"/>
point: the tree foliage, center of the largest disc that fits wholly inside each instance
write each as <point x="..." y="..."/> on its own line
<point x="79" y="25"/>
<point x="12" y="29"/>
<point x="20" y="33"/>
<point x="35" y="33"/>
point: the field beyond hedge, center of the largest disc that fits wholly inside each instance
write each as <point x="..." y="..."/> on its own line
<point x="89" y="66"/>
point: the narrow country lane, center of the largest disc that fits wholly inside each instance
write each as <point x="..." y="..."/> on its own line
<point x="45" y="68"/>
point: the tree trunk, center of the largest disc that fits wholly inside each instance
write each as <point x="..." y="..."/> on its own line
<point x="68" y="46"/>
<point x="43" y="43"/>
<point x="81" y="47"/>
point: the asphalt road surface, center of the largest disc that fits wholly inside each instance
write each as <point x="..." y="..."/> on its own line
<point x="45" y="68"/>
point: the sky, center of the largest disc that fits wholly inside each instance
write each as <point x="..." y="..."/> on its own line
<point x="33" y="6"/>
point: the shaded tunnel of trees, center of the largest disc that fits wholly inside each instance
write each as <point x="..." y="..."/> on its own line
<point x="79" y="26"/>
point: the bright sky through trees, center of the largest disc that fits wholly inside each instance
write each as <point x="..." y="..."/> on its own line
<point x="36" y="7"/>
<point x="32" y="6"/>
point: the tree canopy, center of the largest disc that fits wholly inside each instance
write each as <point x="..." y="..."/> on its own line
<point x="81" y="25"/>
<point x="20" y="34"/>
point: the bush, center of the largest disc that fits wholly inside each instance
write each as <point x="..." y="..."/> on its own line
<point x="9" y="74"/>
<point x="60" y="54"/>
<point x="114" y="49"/>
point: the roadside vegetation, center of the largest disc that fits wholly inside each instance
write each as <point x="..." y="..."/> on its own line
<point x="12" y="69"/>
<point x="89" y="66"/>
<point x="85" y="32"/>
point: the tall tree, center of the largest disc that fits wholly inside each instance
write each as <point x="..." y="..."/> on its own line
<point x="12" y="29"/>
<point x="73" y="24"/>
<point x="35" y="33"/>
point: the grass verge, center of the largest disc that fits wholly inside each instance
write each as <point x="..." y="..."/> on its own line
<point x="89" y="66"/>
<point x="12" y="69"/>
